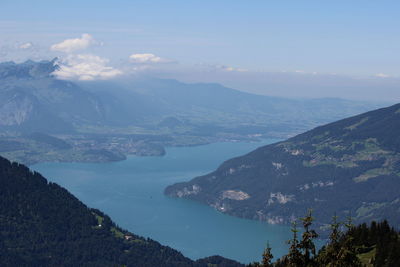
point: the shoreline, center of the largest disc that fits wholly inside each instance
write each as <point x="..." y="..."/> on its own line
<point x="29" y="158"/>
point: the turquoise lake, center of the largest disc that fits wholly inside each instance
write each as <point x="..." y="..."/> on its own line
<point x="131" y="193"/>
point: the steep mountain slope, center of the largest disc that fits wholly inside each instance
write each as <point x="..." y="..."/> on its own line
<point x="349" y="167"/>
<point x="32" y="100"/>
<point x="42" y="224"/>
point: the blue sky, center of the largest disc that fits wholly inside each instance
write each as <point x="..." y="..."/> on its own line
<point x="352" y="38"/>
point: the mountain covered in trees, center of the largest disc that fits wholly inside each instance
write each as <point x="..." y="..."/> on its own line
<point x="42" y="224"/>
<point x="350" y="167"/>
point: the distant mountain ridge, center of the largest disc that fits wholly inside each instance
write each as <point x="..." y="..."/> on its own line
<point x="226" y="106"/>
<point x="103" y="120"/>
<point x="31" y="95"/>
<point x="350" y="167"/>
<point x="42" y="224"/>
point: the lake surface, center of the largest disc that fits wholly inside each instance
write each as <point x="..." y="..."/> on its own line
<point x="131" y="193"/>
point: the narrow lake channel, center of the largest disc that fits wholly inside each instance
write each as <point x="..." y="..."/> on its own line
<point x="131" y="193"/>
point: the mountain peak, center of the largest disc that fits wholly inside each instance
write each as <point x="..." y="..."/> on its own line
<point x="28" y="69"/>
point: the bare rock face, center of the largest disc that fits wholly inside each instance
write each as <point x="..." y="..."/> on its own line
<point x="15" y="110"/>
<point x="33" y="100"/>
<point x="187" y="191"/>
<point x="235" y="195"/>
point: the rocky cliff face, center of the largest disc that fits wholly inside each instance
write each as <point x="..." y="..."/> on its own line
<point x="32" y="100"/>
<point x="15" y="110"/>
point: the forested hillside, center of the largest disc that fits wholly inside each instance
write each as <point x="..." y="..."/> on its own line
<point x="349" y="167"/>
<point x="42" y="224"/>
<point x="374" y="245"/>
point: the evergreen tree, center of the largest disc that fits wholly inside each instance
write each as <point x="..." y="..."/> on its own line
<point x="340" y="251"/>
<point x="267" y="257"/>
<point x="348" y="255"/>
<point x="307" y="244"/>
<point x="294" y="258"/>
<point x="328" y="255"/>
<point x="377" y="244"/>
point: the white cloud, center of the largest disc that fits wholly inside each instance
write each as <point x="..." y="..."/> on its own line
<point x="299" y="71"/>
<point x="26" y="45"/>
<point x="227" y="68"/>
<point x="147" y="59"/>
<point x="85" y="67"/>
<point x="71" y="45"/>
<point x="382" y="75"/>
<point x="224" y="68"/>
<point x="305" y="72"/>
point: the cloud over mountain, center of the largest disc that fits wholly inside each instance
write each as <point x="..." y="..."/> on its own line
<point x="147" y="58"/>
<point x="71" y="45"/>
<point x="85" y="67"/>
<point x="26" y="45"/>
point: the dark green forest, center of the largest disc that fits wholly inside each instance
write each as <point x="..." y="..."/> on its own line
<point x="374" y="245"/>
<point x="42" y="224"/>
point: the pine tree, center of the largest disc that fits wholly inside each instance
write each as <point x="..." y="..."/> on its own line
<point x="294" y="258"/>
<point x="343" y="247"/>
<point x="347" y="254"/>
<point x="267" y="257"/>
<point x="307" y="244"/>
<point x="335" y="234"/>
<point x="340" y="252"/>
<point x="328" y="255"/>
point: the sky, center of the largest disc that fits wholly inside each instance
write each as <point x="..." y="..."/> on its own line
<point x="295" y="48"/>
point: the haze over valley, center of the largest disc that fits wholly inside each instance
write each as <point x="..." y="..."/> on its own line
<point x="48" y="119"/>
<point x="199" y="134"/>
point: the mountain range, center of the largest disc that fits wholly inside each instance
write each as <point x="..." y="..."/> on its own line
<point x="107" y="120"/>
<point x="349" y="168"/>
<point x="34" y="100"/>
